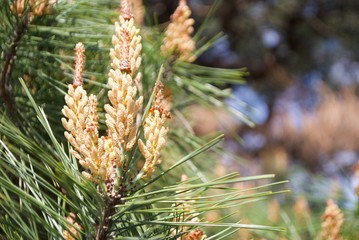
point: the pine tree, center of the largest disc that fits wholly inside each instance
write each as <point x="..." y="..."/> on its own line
<point x="125" y="167"/>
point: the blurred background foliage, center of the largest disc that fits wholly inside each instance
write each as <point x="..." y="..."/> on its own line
<point x="303" y="64"/>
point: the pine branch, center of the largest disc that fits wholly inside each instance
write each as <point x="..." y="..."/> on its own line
<point x="10" y="57"/>
<point x="104" y="228"/>
<point x="130" y="205"/>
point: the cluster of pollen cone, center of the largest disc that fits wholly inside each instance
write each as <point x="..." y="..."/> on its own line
<point x="31" y="7"/>
<point x="103" y="156"/>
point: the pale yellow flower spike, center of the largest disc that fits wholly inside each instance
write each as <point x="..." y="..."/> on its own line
<point x="196" y="234"/>
<point x="178" y="38"/>
<point x="125" y="60"/>
<point x="139" y="11"/>
<point x="73" y="227"/>
<point x="155" y="134"/>
<point x="82" y="123"/>
<point x="332" y="221"/>
<point x="37" y="7"/>
<point x="79" y="64"/>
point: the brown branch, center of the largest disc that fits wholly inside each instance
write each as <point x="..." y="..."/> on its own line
<point x="104" y="228"/>
<point x="10" y="56"/>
